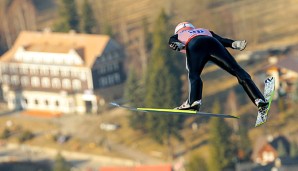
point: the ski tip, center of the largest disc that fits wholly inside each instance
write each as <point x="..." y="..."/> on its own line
<point x="233" y="116"/>
<point x="260" y="123"/>
<point x="257" y="125"/>
<point x="269" y="79"/>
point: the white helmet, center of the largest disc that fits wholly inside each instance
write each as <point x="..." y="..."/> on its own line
<point x="184" y="26"/>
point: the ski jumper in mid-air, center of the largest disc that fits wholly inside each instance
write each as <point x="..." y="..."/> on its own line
<point x="201" y="46"/>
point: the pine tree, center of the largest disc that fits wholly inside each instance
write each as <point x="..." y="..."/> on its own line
<point x="108" y="30"/>
<point x="244" y="144"/>
<point x="61" y="164"/>
<point x="68" y="15"/>
<point x="222" y="151"/>
<point x="294" y="150"/>
<point x="163" y="85"/>
<point x="196" y="163"/>
<point x="145" y="45"/>
<point x="281" y="149"/>
<point x="88" y="19"/>
<point x="147" y="35"/>
<point x="133" y="94"/>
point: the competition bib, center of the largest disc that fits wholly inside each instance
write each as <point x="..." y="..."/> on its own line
<point x="186" y="35"/>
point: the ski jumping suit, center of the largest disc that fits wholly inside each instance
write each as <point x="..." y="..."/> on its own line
<point x="201" y="46"/>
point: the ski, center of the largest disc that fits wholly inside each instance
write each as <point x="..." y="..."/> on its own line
<point x="174" y="111"/>
<point x="268" y="94"/>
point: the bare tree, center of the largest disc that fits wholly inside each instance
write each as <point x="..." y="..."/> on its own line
<point x="16" y="16"/>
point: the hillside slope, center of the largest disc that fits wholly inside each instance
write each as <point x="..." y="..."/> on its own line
<point x="259" y="21"/>
<point x="262" y="23"/>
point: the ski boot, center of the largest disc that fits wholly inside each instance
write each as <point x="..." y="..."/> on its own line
<point x="194" y="106"/>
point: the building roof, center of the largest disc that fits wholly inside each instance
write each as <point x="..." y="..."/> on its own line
<point x="267" y="147"/>
<point x="88" y="46"/>
<point x="281" y="140"/>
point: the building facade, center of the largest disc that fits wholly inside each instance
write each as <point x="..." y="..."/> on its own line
<point x="61" y="71"/>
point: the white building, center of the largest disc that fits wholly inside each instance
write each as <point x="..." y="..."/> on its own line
<point x="63" y="72"/>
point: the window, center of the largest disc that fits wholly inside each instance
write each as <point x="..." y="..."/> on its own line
<point x="103" y="58"/>
<point x="6" y="79"/>
<point x="35" y="82"/>
<point x="103" y="81"/>
<point x="15" y="80"/>
<point x="75" y="74"/>
<point x="117" y="77"/>
<point x="46" y="102"/>
<point x="112" y="56"/>
<point x="24" y="70"/>
<point x="4" y="68"/>
<point x="13" y="69"/>
<point x="57" y="103"/>
<point x="111" y="79"/>
<point x="45" y="82"/>
<point x="83" y="76"/>
<point x="66" y="84"/>
<point x="115" y="66"/>
<point x="76" y="84"/>
<point x="44" y="71"/>
<point x="65" y="73"/>
<point x="36" y="102"/>
<point x="55" y="72"/>
<point x="109" y="56"/>
<point x="34" y="70"/>
<point x="25" y="101"/>
<point x="103" y="70"/>
<point x="25" y="81"/>
<point x="110" y="68"/>
<point x="117" y="55"/>
<point x="56" y="83"/>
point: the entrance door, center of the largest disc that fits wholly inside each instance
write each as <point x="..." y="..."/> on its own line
<point x="88" y="105"/>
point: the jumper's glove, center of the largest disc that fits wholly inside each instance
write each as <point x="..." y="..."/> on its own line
<point x="177" y="46"/>
<point x="239" y="44"/>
